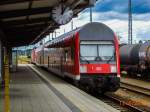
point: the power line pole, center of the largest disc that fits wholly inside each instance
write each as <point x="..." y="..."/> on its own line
<point x="52" y="35"/>
<point x="49" y="36"/>
<point x="64" y="31"/>
<point x="91" y="14"/>
<point x="55" y="34"/>
<point x="130" y="22"/>
<point x="72" y="25"/>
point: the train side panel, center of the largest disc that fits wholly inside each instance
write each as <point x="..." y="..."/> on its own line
<point x="33" y="56"/>
<point x="62" y="59"/>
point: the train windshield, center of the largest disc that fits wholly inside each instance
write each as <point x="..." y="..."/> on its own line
<point x="97" y="51"/>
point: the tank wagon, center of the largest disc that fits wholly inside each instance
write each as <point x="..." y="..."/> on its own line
<point x="88" y="55"/>
<point x="135" y="59"/>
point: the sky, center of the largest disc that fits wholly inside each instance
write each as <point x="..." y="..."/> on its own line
<point x="114" y="13"/>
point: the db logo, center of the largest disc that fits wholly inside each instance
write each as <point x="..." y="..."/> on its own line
<point x="99" y="68"/>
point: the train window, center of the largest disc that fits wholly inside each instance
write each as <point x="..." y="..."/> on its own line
<point x="86" y="54"/>
<point x="66" y="56"/>
<point x="40" y="59"/>
<point x="97" y="51"/>
<point x="106" y="52"/>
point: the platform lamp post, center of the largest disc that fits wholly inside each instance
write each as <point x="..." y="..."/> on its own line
<point x="43" y="40"/>
<point x="52" y="36"/>
<point x="56" y="34"/>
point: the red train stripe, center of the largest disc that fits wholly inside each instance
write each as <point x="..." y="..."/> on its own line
<point x="98" y="68"/>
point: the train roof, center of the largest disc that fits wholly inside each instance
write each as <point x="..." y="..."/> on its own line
<point x="96" y="31"/>
<point x="90" y="31"/>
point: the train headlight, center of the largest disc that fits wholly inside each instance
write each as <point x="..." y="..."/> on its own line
<point x="113" y="69"/>
<point x="83" y="69"/>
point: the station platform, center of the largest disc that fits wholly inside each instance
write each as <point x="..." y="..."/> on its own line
<point x="45" y="92"/>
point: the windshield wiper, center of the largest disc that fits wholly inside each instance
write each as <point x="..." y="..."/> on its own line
<point x="84" y="59"/>
<point x="111" y="58"/>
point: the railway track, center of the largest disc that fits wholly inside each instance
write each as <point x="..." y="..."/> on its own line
<point x="117" y="102"/>
<point x="134" y="88"/>
<point x="122" y="104"/>
<point x="139" y="90"/>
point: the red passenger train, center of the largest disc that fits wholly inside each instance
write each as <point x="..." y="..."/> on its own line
<point x="89" y="55"/>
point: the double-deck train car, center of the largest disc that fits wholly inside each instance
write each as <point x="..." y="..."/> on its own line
<point x="89" y="55"/>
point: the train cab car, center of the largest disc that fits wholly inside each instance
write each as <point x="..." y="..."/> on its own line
<point x="89" y="55"/>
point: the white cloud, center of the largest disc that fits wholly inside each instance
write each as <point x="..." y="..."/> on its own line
<point x="141" y="29"/>
<point x="117" y="21"/>
<point x="142" y="17"/>
<point x="104" y="16"/>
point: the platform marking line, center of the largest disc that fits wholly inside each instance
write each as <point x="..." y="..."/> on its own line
<point x="65" y="100"/>
<point x="6" y="91"/>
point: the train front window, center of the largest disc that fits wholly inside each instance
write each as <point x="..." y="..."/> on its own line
<point x="106" y="52"/>
<point x="88" y="52"/>
<point x="97" y="51"/>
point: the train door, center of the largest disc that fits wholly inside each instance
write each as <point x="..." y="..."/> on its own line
<point x="48" y="61"/>
<point x="61" y="64"/>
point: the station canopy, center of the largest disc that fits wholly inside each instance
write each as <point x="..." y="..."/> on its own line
<point x="26" y="21"/>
